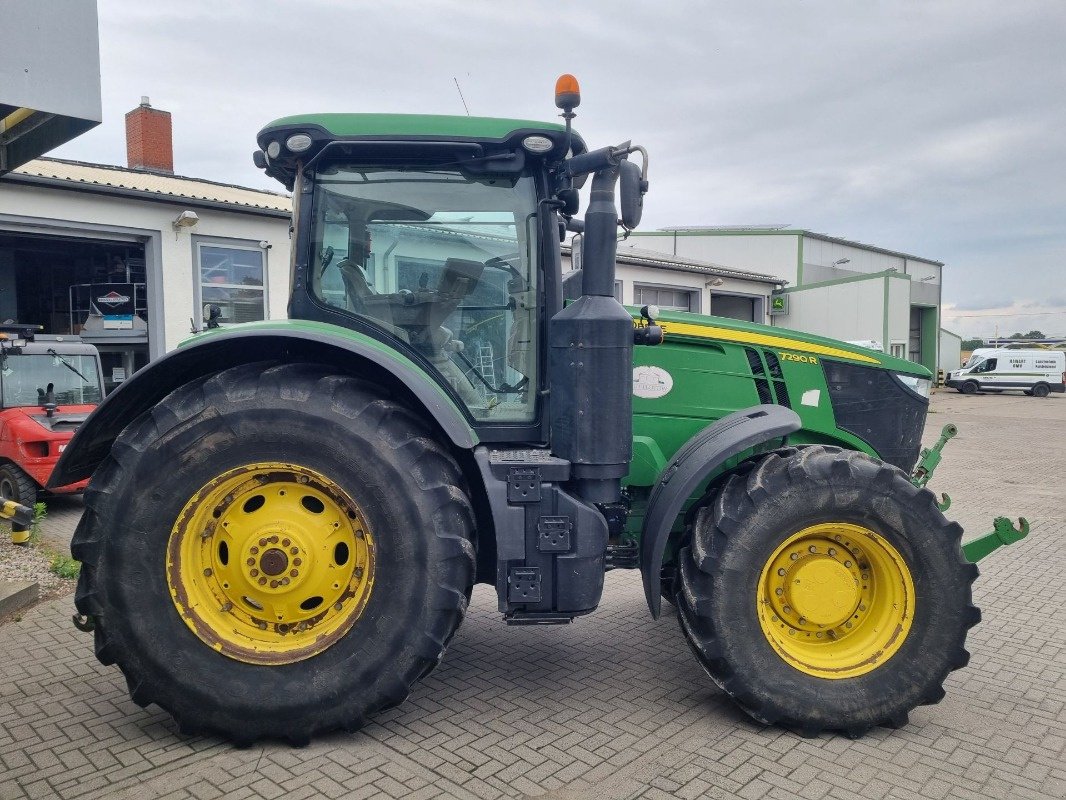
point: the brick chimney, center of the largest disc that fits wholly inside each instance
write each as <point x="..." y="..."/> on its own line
<point x="149" y="143"/>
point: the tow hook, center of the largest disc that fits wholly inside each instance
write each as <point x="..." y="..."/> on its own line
<point x="1003" y="533"/>
<point x="930" y="458"/>
<point x="84" y="623"/>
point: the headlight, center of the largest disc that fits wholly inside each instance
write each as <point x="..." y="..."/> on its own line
<point x="920" y="386"/>
<point x="298" y="142"/>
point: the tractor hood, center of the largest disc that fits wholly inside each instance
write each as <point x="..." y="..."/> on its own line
<point x="699" y="329"/>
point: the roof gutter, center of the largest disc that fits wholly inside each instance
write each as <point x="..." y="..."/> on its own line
<point x="139" y="194"/>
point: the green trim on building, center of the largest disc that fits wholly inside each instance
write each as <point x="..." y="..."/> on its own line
<point x="885" y="341"/>
<point x="837" y="281"/>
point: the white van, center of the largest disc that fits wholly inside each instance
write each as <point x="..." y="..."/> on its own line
<point x="1035" y="372"/>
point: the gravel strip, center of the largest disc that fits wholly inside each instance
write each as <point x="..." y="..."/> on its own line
<point x="29" y="563"/>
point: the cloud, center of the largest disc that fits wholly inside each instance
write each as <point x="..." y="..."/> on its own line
<point x="930" y="127"/>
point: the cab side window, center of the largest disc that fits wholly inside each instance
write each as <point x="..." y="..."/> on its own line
<point x="987" y="366"/>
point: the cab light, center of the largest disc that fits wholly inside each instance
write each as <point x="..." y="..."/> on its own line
<point x="298" y="142"/>
<point x="273" y="149"/>
<point x="538" y="144"/>
<point x="567" y="93"/>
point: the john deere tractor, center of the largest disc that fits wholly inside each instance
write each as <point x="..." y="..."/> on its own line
<point x="286" y="519"/>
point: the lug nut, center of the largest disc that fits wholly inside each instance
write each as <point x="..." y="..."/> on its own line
<point x="227" y="606"/>
<point x="294" y="573"/>
<point x="273" y="584"/>
<point x="263" y="542"/>
<point x="793" y="556"/>
<point x="359" y="572"/>
<point x="274" y="539"/>
<point x="297" y="562"/>
<point x="812" y="549"/>
<point x="207" y="572"/>
<point x="262" y="581"/>
<point x="251" y="562"/>
<point x="779" y="592"/>
<point x="338" y="606"/>
<point x="359" y="533"/>
<point x="294" y="550"/>
<point x="262" y="625"/>
<point x="284" y="581"/>
<point x="254" y="573"/>
<point x="254" y="550"/>
<point x="285" y="542"/>
<point x="847" y="564"/>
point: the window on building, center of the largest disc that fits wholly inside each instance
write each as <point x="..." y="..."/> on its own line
<point x="233" y="279"/>
<point x="733" y="306"/>
<point x="618" y="291"/>
<point x="666" y="298"/>
<point x="899" y="350"/>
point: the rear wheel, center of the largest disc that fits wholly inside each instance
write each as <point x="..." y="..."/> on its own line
<point x="823" y="590"/>
<point x="275" y="552"/>
<point x="1041" y="390"/>
<point x="16" y="485"/>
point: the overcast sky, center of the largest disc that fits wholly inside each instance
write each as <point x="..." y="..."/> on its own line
<point x="936" y="128"/>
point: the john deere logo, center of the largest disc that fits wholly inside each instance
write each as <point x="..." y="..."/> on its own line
<point x="113" y="299"/>
<point x="777" y="303"/>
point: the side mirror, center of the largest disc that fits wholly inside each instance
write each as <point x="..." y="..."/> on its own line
<point x="631" y="190"/>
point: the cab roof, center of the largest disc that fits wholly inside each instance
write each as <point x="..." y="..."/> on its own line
<point x="382" y="134"/>
<point x="435" y="126"/>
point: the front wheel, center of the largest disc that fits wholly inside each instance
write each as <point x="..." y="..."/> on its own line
<point x="970" y="387"/>
<point x="275" y="551"/>
<point x="822" y="590"/>
<point x="16" y="485"/>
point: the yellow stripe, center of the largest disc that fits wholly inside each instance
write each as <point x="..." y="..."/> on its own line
<point x="730" y="335"/>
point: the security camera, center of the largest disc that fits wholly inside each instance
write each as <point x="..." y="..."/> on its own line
<point x="265" y="244"/>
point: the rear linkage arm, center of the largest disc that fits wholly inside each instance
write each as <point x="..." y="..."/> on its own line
<point x="1003" y="532"/>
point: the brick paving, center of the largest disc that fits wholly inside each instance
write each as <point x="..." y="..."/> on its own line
<point x="613" y="706"/>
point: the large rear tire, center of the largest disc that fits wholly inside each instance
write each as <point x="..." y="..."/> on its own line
<point x="823" y="591"/>
<point x="275" y="551"/>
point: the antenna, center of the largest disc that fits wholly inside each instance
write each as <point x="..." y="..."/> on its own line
<point x="461" y="95"/>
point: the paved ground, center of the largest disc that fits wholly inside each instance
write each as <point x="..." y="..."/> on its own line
<point x="613" y="706"/>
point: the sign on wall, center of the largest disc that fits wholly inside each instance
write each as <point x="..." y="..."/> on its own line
<point x="115" y="303"/>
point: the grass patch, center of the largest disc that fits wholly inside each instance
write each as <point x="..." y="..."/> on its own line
<point x="58" y="563"/>
<point x="64" y="566"/>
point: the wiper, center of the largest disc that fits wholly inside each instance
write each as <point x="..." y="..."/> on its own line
<point x="67" y="364"/>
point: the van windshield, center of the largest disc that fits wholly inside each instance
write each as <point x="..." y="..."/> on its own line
<point x="973" y="362"/>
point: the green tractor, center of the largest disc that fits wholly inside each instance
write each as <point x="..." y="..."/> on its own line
<point x="286" y="519"/>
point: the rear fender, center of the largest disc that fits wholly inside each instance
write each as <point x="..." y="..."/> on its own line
<point x="287" y="341"/>
<point x="693" y="464"/>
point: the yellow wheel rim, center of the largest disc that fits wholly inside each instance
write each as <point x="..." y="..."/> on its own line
<point x="270" y="563"/>
<point x="836" y="600"/>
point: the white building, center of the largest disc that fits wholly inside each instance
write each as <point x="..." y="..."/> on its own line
<point x="686" y="284"/>
<point x="835" y="287"/>
<point x="75" y="238"/>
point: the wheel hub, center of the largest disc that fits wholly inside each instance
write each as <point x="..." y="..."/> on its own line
<point x="270" y="563"/>
<point x="835" y="600"/>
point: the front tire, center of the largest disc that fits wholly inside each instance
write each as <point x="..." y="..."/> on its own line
<point x="351" y="517"/>
<point x="970" y="387"/>
<point x="16" y="485"/>
<point x="823" y="591"/>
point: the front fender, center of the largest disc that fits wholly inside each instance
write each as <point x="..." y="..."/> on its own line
<point x="693" y="464"/>
<point x="283" y="340"/>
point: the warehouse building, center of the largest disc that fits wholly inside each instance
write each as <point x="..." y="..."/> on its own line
<point x="834" y="287"/>
<point x="128" y="257"/>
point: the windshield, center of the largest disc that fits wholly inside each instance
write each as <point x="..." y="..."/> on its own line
<point x="973" y="362"/>
<point x="445" y="263"/>
<point x="27" y="379"/>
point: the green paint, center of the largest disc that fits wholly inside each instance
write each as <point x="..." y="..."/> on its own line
<point x="1003" y="533"/>
<point x="349" y="126"/>
<point x="885" y="341"/>
<point x="849" y="279"/>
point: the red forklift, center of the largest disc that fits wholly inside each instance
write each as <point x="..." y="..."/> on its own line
<point x="48" y="387"/>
